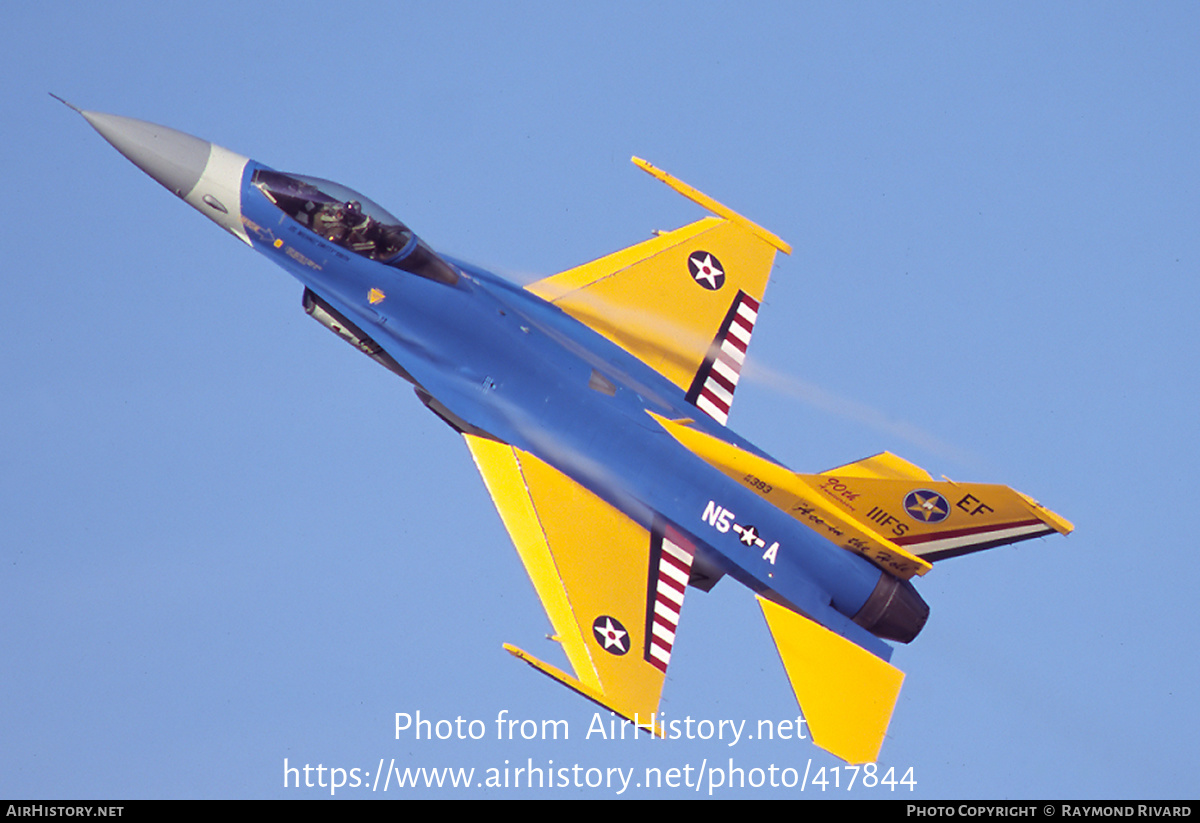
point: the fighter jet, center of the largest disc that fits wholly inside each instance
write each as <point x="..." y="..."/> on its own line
<point x="594" y="404"/>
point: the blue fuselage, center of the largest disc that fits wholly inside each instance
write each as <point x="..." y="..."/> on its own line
<point x="518" y="368"/>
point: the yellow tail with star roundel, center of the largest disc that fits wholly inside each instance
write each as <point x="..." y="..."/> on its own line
<point x="884" y="508"/>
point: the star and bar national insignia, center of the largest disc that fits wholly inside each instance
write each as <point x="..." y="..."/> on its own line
<point x="611" y="635"/>
<point x="926" y="506"/>
<point x="706" y="270"/>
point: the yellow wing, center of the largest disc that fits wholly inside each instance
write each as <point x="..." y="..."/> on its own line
<point x="684" y="303"/>
<point x="612" y="589"/>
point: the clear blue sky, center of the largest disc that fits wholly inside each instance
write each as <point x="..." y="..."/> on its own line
<point x="227" y="539"/>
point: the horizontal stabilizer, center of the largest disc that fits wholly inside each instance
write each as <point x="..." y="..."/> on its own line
<point x="847" y="694"/>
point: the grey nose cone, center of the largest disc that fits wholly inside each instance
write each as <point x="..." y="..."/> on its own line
<point x="171" y="157"/>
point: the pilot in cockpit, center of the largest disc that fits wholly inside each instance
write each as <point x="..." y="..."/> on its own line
<point x="329" y="221"/>
<point x="360" y="230"/>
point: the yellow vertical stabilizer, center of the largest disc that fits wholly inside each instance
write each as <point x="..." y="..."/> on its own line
<point x="884" y="508"/>
<point x="846" y="693"/>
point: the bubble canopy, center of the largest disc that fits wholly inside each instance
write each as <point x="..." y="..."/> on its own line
<point x="343" y="216"/>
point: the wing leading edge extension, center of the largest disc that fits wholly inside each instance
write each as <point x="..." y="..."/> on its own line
<point x="612" y="589"/>
<point x="684" y="303"/>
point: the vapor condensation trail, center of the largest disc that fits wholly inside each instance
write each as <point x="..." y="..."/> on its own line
<point x="818" y="398"/>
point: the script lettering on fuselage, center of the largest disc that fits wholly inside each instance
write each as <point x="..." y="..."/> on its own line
<point x="810" y="515"/>
<point x="841" y="492"/>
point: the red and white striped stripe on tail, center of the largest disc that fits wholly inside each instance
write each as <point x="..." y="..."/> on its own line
<point x="712" y="389"/>
<point x="943" y="544"/>
<point x="673" y="569"/>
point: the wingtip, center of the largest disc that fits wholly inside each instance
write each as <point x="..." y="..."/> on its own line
<point x="712" y="205"/>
